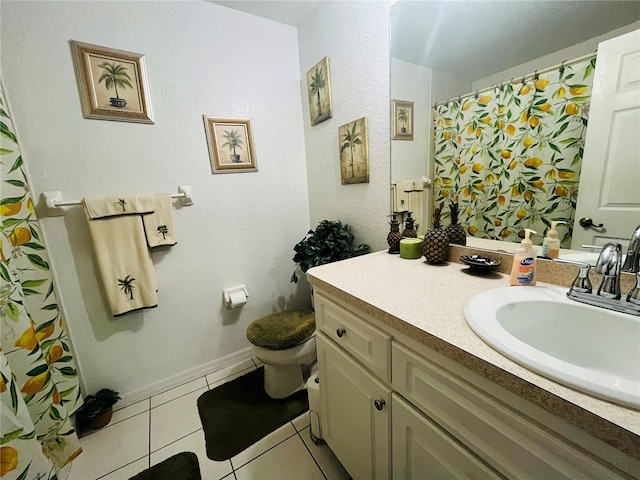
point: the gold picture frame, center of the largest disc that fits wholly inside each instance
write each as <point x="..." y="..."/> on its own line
<point x="230" y="143"/>
<point x="319" y="91"/>
<point x="102" y="72"/>
<point x="354" y="152"/>
<point x="402" y="120"/>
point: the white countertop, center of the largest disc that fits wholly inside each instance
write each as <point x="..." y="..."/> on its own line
<point x="429" y="301"/>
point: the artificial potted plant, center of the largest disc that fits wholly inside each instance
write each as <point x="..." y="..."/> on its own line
<point x="331" y="241"/>
<point x="97" y="409"/>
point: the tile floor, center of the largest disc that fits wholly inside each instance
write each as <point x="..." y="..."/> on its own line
<point x="150" y="431"/>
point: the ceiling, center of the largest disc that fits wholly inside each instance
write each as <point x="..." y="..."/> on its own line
<point x="475" y="39"/>
<point x="291" y="12"/>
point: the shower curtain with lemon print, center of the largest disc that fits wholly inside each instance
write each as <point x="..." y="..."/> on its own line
<point x="511" y="156"/>
<point x="38" y="376"/>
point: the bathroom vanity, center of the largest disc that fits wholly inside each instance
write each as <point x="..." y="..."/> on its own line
<point x="408" y="391"/>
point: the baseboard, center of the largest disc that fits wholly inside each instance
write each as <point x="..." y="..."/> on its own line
<point x="155" y="388"/>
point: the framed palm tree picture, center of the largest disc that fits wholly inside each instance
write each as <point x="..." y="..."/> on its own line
<point x="230" y="144"/>
<point x="402" y="120"/>
<point x="319" y="90"/>
<point x="113" y="83"/>
<point x="354" y="152"/>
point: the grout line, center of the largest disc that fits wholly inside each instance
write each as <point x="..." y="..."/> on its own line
<point x="176" y="398"/>
<point x="119" y="468"/>
<point x="268" y="450"/>
<point x="172" y="442"/>
<point x="149" y="442"/>
<point x="310" y="452"/>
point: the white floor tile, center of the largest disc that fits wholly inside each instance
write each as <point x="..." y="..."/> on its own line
<point x="175" y="419"/>
<point x="129" y="411"/>
<point x="301" y="422"/>
<point x="209" y="469"/>
<point x="128" y="471"/>
<point x="232" y="371"/>
<point x="179" y="391"/>
<point x="330" y="465"/>
<point x="112" y="447"/>
<point x="263" y="445"/>
<point x="289" y="459"/>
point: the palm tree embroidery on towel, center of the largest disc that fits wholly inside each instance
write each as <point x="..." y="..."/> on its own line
<point x="126" y="285"/>
<point x="163" y="230"/>
<point x="122" y="202"/>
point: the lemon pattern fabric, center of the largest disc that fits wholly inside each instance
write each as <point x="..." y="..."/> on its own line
<point x="511" y="156"/>
<point x="39" y="380"/>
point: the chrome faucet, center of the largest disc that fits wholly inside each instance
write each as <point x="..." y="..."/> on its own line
<point x="608" y="295"/>
<point x="632" y="262"/>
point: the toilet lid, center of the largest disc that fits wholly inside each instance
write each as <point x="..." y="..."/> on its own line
<point x="282" y="330"/>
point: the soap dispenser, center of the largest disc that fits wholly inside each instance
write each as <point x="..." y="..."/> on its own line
<point x="394" y="237"/>
<point x="409" y="228"/>
<point x="551" y="243"/>
<point x="523" y="270"/>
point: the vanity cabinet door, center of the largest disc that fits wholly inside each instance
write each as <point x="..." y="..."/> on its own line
<point x="423" y="450"/>
<point x="355" y="413"/>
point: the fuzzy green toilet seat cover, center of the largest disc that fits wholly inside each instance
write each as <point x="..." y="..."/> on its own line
<point x="282" y="330"/>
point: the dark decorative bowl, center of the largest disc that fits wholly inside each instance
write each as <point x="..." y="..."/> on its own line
<point x="478" y="264"/>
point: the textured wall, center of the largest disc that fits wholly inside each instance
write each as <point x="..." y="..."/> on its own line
<point x="355" y="37"/>
<point x="201" y="59"/>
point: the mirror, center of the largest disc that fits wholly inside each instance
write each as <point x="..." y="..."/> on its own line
<point x="445" y="49"/>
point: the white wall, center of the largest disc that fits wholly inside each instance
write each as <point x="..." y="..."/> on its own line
<point x="201" y="59"/>
<point x="410" y="82"/>
<point x="355" y="37"/>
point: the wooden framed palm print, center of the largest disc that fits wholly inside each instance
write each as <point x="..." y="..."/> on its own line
<point x="354" y="152"/>
<point x="402" y="120"/>
<point x="230" y="144"/>
<point x="113" y="84"/>
<point x="319" y="90"/>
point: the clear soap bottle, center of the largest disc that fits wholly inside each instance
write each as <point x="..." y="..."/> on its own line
<point x="551" y="243"/>
<point x="523" y="270"/>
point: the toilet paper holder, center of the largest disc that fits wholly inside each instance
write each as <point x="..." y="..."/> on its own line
<point x="235" y="297"/>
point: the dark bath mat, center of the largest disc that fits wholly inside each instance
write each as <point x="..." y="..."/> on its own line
<point x="237" y="414"/>
<point x="183" y="466"/>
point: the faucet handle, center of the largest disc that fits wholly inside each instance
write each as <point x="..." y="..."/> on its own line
<point x="634" y="294"/>
<point x="582" y="283"/>
<point x="608" y="265"/>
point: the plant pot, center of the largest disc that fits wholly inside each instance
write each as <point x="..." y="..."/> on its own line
<point x="101" y="420"/>
<point x="235" y="158"/>
<point x="117" y="102"/>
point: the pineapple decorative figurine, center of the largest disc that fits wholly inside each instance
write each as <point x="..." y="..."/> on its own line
<point x="394" y="237"/>
<point x="455" y="231"/>
<point x="436" y="242"/>
<point x="410" y="230"/>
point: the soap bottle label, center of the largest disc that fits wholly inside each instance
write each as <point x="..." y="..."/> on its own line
<point x="526" y="271"/>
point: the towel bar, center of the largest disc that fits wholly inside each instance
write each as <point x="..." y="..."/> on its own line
<point x="54" y="202"/>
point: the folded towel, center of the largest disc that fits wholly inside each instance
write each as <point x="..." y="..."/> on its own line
<point x="159" y="225"/>
<point x="124" y="205"/>
<point x="124" y="261"/>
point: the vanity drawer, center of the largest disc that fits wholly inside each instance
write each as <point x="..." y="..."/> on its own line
<point x="364" y="342"/>
<point x="515" y="445"/>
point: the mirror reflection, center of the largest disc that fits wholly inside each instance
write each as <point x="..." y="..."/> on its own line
<point x="506" y="139"/>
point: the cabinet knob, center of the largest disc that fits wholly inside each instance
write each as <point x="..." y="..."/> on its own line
<point x="340" y="332"/>
<point x="379" y="404"/>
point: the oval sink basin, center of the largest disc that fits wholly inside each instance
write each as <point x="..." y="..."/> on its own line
<point x="591" y="349"/>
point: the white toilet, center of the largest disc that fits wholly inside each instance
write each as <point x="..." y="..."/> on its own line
<point x="286" y="343"/>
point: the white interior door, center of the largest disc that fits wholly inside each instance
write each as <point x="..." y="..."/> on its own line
<point x="610" y="179"/>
